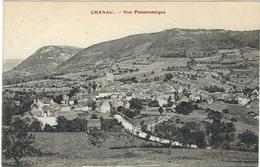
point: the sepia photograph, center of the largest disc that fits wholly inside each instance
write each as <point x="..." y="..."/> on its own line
<point x="130" y="84"/>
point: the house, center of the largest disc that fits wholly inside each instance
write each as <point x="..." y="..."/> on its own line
<point x="103" y="94"/>
<point x="206" y="97"/>
<point x="65" y="99"/>
<point x="126" y="104"/>
<point x="93" y="123"/>
<point x="194" y="97"/>
<point x="71" y="102"/>
<point x="243" y="100"/>
<point x="81" y="107"/>
<point x="64" y="108"/>
<point x="109" y="76"/>
<point x="52" y="121"/>
<point x="47" y="101"/>
<point x="36" y="110"/>
<point x="17" y="102"/>
<point x="129" y="96"/>
<point x="46" y="111"/>
<point x="116" y="103"/>
<point x="162" y="100"/>
<point x="38" y="103"/>
<point x="105" y="107"/>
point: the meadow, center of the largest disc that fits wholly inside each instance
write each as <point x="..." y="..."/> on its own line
<point x="73" y="149"/>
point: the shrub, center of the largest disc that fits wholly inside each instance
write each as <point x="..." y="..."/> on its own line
<point x="213" y="89"/>
<point x="131" y="113"/>
<point x="186" y="108"/>
<point x="168" y="77"/>
<point x="248" y="138"/>
<point x="198" y="138"/>
<point x="48" y="128"/>
<point x="136" y="104"/>
<point x="233" y="119"/>
<point x="225" y="111"/>
<point x="16" y="141"/>
<point x="110" y="125"/>
<point x="153" y="103"/>
<point x="94" y="116"/>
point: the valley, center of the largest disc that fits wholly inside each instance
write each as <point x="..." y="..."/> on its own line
<point x="165" y="91"/>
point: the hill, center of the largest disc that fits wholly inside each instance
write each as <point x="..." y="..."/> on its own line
<point x="148" y="48"/>
<point x="46" y="59"/>
<point x="8" y="64"/>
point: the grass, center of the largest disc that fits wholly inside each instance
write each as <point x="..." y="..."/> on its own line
<point x="73" y="149"/>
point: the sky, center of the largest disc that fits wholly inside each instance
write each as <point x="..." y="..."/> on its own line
<point x="28" y="26"/>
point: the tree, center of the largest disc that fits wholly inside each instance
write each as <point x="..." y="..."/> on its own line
<point x="153" y="103"/>
<point x="214" y="115"/>
<point x="76" y="102"/>
<point x="248" y="138"/>
<point x="169" y="132"/>
<point x="92" y="104"/>
<point x="160" y="109"/>
<point x="185" y="135"/>
<point x="168" y="77"/>
<point x="169" y="100"/>
<point x="214" y="88"/>
<point x="16" y="142"/>
<point x="58" y="99"/>
<point x="131" y="113"/>
<point x="198" y="138"/>
<point x="94" y="116"/>
<point x="220" y="133"/>
<point x="95" y="136"/>
<point x="36" y="126"/>
<point x="136" y="104"/>
<point x="185" y="108"/>
<point x="225" y="111"/>
<point x="94" y="86"/>
<point x="48" y="128"/>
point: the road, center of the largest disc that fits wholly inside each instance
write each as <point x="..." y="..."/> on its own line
<point x="129" y="127"/>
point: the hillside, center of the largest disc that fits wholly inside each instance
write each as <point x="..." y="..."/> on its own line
<point x="148" y="48"/>
<point x="231" y="56"/>
<point x="8" y="64"/>
<point x="46" y="59"/>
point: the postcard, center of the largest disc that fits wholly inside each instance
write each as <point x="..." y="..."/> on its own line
<point x="94" y="83"/>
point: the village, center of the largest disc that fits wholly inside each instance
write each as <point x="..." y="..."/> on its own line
<point x="103" y="98"/>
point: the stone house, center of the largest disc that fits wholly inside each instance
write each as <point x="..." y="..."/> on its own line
<point x="64" y="108"/>
<point x="105" y="107"/>
<point x="65" y="99"/>
<point x="243" y="100"/>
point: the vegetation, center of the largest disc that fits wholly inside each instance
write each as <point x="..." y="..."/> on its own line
<point x="65" y="125"/>
<point x="160" y="109"/>
<point x="220" y="133"/>
<point x="171" y="133"/>
<point x="136" y="104"/>
<point x="186" y="108"/>
<point x="153" y="103"/>
<point x="248" y="138"/>
<point x="213" y="89"/>
<point x="96" y="136"/>
<point x="17" y="142"/>
<point x="168" y="77"/>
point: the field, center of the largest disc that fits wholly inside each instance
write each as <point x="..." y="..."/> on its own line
<point x="73" y="149"/>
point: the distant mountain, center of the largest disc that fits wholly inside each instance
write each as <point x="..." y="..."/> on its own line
<point x="46" y="59"/>
<point x="149" y="47"/>
<point x="8" y="64"/>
